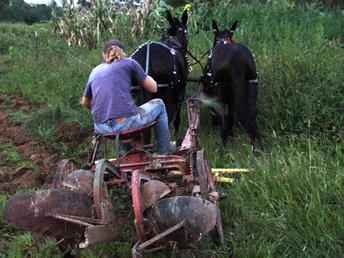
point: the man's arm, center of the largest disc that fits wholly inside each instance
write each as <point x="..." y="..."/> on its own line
<point x="86" y="102"/>
<point x="86" y="99"/>
<point x="150" y="85"/>
<point x="139" y="76"/>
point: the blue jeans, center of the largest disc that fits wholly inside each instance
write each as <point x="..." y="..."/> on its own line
<point x="149" y="112"/>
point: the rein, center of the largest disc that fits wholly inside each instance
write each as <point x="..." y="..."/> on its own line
<point x="176" y="46"/>
<point x="197" y="61"/>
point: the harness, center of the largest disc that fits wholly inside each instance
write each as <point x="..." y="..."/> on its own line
<point x="173" y="53"/>
<point x="208" y="69"/>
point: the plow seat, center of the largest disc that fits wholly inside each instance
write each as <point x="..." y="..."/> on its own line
<point x="128" y="136"/>
<point x="134" y="137"/>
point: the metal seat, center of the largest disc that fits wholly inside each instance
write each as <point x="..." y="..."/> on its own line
<point x="135" y="137"/>
<point x="130" y="134"/>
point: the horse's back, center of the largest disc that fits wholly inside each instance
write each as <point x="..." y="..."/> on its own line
<point x="233" y="62"/>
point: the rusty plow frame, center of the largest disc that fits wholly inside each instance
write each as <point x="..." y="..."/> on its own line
<point x="174" y="198"/>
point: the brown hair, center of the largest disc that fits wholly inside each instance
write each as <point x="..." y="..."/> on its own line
<point x="113" y="50"/>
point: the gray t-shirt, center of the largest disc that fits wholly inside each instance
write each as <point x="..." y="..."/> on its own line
<point x="109" y="88"/>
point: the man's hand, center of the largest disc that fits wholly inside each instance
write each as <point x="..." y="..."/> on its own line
<point x="86" y="102"/>
<point x="150" y="85"/>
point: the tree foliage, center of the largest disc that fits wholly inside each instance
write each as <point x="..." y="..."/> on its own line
<point x="4" y="4"/>
<point x="20" y="11"/>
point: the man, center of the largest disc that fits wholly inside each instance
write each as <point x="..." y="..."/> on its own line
<point x="107" y="94"/>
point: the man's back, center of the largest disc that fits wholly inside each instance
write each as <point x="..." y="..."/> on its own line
<point x="109" y="87"/>
<point x="107" y="94"/>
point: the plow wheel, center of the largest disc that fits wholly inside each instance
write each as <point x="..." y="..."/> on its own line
<point x="207" y="185"/>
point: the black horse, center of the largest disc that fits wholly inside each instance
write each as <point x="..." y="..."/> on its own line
<point x="231" y="79"/>
<point x="166" y="62"/>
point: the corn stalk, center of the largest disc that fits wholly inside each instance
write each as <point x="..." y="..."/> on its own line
<point x="81" y="26"/>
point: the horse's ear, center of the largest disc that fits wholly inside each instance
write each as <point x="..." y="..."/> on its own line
<point x="234" y="26"/>
<point x="215" y="28"/>
<point x="169" y="18"/>
<point x="185" y="17"/>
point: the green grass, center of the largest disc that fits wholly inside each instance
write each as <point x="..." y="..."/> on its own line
<point x="9" y="154"/>
<point x="11" y="157"/>
<point x="23" y="246"/>
<point x="290" y="205"/>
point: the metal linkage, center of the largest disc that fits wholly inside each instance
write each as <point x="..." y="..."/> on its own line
<point x="140" y="247"/>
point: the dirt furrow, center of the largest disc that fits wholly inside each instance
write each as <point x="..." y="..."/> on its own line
<point x="29" y="163"/>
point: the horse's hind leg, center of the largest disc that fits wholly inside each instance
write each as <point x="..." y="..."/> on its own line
<point x="178" y="103"/>
<point x="176" y="122"/>
<point x="228" y="113"/>
<point x="224" y="134"/>
<point x="215" y="117"/>
<point x="251" y="118"/>
<point x="230" y="117"/>
<point x="227" y="124"/>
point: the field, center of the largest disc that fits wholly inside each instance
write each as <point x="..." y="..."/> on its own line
<point x="290" y="205"/>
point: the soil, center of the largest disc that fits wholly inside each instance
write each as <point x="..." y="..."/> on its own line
<point x="71" y="133"/>
<point x="42" y="160"/>
<point x="34" y="164"/>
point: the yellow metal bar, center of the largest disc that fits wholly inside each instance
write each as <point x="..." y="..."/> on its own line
<point x="229" y="170"/>
<point x="222" y="179"/>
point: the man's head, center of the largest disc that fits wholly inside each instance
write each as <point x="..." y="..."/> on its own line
<point x="113" y="50"/>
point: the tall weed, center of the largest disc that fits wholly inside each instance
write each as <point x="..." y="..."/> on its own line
<point x="290" y="206"/>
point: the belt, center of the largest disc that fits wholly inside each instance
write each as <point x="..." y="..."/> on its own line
<point x="120" y="120"/>
<point x="117" y="120"/>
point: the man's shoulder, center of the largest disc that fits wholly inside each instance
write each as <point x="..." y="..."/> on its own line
<point x="98" y="67"/>
<point x="131" y="61"/>
<point x="96" y="70"/>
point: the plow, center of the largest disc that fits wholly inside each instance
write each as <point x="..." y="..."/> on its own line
<point x="173" y="197"/>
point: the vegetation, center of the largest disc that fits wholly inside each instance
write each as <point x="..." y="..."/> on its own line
<point x="88" y="24"/>
<point x="291" y="205"/>
<point x="20" y="11"/>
